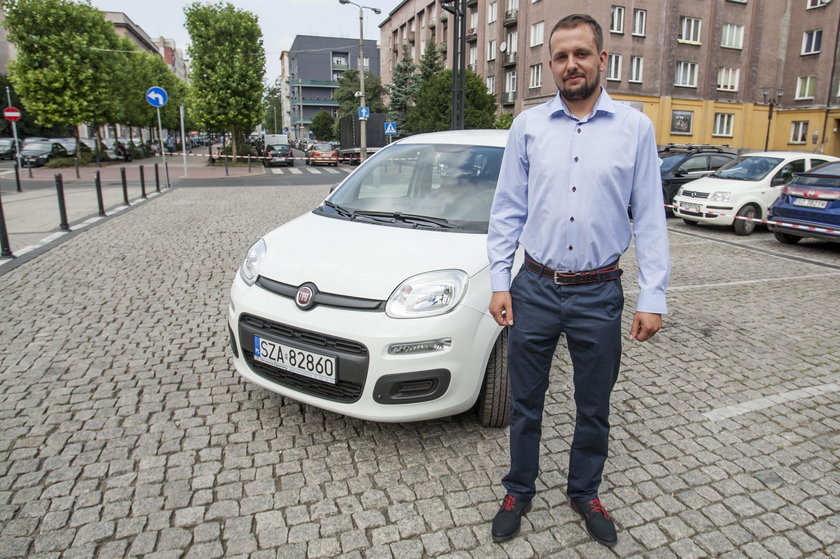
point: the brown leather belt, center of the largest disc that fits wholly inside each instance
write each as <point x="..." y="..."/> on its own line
<point x="560" y="277"/>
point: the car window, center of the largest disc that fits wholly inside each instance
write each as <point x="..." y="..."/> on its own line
<point x="748" y="167"/>
<point x="718" y="161"/>
<point x="786" y="172"/>
<point x="669" y="162"/>
<point x="694" y="164"/>
<point x="39" y="146"/>
<point x="322" y="147"/>
<point x="815" y="161"/>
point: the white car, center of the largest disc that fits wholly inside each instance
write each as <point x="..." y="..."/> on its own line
<point x="746" y="187"/>
<point x="374" y="305"/>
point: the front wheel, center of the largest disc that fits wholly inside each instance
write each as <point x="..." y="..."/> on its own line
<point x="744" y="227"/>
<point x="786" y="238"/>
<point x="689" y="222"/>
<point x="493" y="406"/>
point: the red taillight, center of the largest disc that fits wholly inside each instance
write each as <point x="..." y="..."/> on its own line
<point x="808" y="192"/>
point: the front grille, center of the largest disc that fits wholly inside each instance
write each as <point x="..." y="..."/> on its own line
<point x="352" y="359"/>
<point x="695" y="194"/>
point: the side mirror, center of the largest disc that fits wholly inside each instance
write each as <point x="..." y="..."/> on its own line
<point x="778" y="181"/>
<point x="680" y="173"/>
<point x="333" y="187"/>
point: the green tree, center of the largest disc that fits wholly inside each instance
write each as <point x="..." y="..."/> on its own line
<point x="26" y="126"/>
<point x="432" y="110"/>
<point x="504" y="121"/>
<point x="65" y="63"/>
<point x="348" y="85"/>
<point x="273" y="110"/>
<point x="323" y="125"/>
<point x="227" y="68"/>
<point x="403" y="87"/>
<point x="430" y="63"/>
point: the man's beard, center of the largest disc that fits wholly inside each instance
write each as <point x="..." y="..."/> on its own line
<point x="580" y="93"/>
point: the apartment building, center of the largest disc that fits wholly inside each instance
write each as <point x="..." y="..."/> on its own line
<point x="311" y="69"/>
<point x="743" y="73"/>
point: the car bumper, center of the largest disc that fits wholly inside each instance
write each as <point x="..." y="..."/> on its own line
<point x="279" y="161"/>
<point x="695" y="209"/>
<point x="328" y="160"/>
<point x="372" y="384"/>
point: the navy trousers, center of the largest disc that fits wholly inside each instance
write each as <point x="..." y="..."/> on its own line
<point x="590" y="317"/>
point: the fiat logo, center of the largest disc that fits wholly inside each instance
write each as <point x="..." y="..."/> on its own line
<point x="305" y="297"/>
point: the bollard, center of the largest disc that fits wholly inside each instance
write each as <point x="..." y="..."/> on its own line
<point x="99" y="195"/>
<point x="124" y="185"/>
<point x="226" y="167"/>
<point x="17" y="177"/>
<point x="142" y="182"/>
<point x="249" y="162"/>
<point x="62" y="208"/>
<point x="157" y="178"/>
<point x="29" y="166"/>
<point x="5" y="247"/>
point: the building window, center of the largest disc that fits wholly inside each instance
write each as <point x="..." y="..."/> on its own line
<point x="492" y="11"/>
<point x="510" y="81"/>
<point x="805" y="87"/>
<point x="422" y="17"/>
<point x="681" y="122"/>
<point x="491" y="84"/>
<point x="512" y="42"/>
<point x="723" y="124"/>
<point x="690" y="30"/>
<point x="637" y="64"/>
<point x="512" y="5"/>
<point x="537" y="33"/>
<point x="728" y="79"/>
<point x="617" y="21"/>
<point x="473" y="57"/>
<point x="536" y="75"/>
<point x="812" y="42"/>
<point x="614" y="67"/>
<point x="491" y="49"/>
<point x="816" y="3"/>
<point x="639" y="22"/>
<point x="799" y="132"/>
<point x="473" y="19"/>
<point x="732" y="36"/>
<point x="686" y="75"/>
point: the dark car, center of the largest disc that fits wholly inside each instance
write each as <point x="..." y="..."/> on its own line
<point x="679" y="164"/>
<point x="809" y="206"/>
<point x="279" y="154"/>
<point x="37" y="154"/>
<point x="7" y="148"/>
<point x="70" y="145"/>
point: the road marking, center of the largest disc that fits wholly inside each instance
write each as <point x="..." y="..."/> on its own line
<point x="294" y="171"/>
<point x="277" y="171"/>
<point x="768" y="401"/>
<point x="333" y="171"/>
<point x="314" y="171"/>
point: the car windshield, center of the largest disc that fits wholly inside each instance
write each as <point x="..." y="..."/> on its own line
<point x="669" y="162"/>
<point x="440" y="186"/>
<point x="278" y="147"/>
<point x="39" y="146"/>
<point x="5" y="143"/>
<point x="748" y="167"/>
<point x="323" y="147"/>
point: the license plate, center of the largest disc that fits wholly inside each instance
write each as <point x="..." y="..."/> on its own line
<point x="294" y="360"/>
<point x="810" y="203"/>
<point x="690" y="207"/>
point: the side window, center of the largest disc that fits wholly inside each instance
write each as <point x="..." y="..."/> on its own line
<point x="815" y="161"/>
<point x="786" y="172"/>
<point x="694" y="164"/>
<point x="718" y="161"/>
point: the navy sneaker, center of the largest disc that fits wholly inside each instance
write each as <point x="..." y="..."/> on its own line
<point x="599" y="525"/>
<point x="509" y="518"/>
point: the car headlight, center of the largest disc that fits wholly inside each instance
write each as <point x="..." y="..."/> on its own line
<point x="428" y="294"/>
<point x="251" y="267"/>
<point x="720" y="196"/>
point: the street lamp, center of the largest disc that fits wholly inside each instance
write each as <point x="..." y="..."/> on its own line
<point x="770" y="101"/>
<point x="362" y="125"/>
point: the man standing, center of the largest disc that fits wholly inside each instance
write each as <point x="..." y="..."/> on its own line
<point x="571" y="168"/>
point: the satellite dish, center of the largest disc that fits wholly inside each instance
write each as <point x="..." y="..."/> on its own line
<point x="502" y="46"/>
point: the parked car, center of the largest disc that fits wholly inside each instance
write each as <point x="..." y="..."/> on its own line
<point x="744" y="187"/>
<point x="809" y="207"/>
<point x="374" y="304"/>
<point x="278" y="155"/>
<point x="679" y="164"/>
<point x="70" y="145"/>
<point x="37" y="154"/>
<point x="8" y="148"/>
<point x="322" y="152"/>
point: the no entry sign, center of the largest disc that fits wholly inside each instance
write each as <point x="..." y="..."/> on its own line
<point x="11" y="113"/>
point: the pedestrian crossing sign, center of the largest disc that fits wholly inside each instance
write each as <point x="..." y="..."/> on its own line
<point x="390" y="128"/>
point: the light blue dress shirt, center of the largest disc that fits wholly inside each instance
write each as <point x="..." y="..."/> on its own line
<point x="564" y="189"/>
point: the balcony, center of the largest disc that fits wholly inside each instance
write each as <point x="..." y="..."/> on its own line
<point x="472" y="2"/>
<point x="432" y="22"/>
<point x="511" y="16"/>
<point x="472" y="34"/>
<point x="509" y="59"/>
<point x="313" y="83"/>
<point x="410" y="36"/>
<point x="314" y="101"/>
<point x="337" y="65"/>
<point x="471" y="67"/>
<point x="508" y="98"/>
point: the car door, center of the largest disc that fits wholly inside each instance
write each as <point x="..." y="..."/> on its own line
<point x="782" y="177"/>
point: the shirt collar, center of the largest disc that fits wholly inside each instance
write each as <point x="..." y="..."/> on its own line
<point x="604" y="103"/>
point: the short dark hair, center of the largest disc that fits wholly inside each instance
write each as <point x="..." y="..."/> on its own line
<point x="573" y="20"/>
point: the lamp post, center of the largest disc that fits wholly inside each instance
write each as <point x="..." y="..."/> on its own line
<point x="770" y="101"/>
<point x="362" y="125"/>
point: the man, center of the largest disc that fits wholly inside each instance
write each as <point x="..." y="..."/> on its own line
<point x="571" y="168"/>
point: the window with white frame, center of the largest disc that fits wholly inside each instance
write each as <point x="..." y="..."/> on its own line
<point x="536" y="75"/>
<point x="637" y="65"/>
<point x="473" y="57"/>
<point x="686" y="74"/>
<point x="492" y="11"/>
<point x="617" y="20"/>
<point x="537" y="33"/>
<point x="724" y="123"/>
<point x="805" y="87"/>
<point x="816" y="3"/>
<point x="491" y="84"/>
<point x="422" y="17"/>
<point x="473" y="18"/>
<point x="812" y="41"/>
<point x="614" y="67"/>
<point x="732" y="36"/>
<point x="491" y="49"/>
<point x="728" y="79"/>
<point x="690" y="30"/>
<point x="512" y="5"/>
<point x="512" y="42"/>
<point x="799" y="132"/>
<point x="639" y="22"/>
<point x="510" y="81"/>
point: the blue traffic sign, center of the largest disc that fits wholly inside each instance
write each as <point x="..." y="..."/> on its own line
<point x="364" y="113"/>
<point x="156" y="96"/>
<point x="390" y="128"/>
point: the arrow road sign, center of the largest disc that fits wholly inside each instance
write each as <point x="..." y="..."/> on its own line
<point x="156" y="96"/>
<point x="11" y="114"/>
<point x="390" y="128"/>
<point x="364" y="113"/>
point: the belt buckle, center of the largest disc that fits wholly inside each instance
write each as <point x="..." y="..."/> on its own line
<point x="562" y="277"/>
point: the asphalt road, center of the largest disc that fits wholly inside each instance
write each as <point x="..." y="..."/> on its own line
<point x="125" y="432"/>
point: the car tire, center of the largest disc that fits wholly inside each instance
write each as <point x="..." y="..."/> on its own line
<point x="786" y="238"/>
<point x="690" y="222"/>
<point x="742" y="227"/>
<point x="493" y="406"/>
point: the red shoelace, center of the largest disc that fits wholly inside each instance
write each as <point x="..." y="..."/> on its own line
<point x="596" y="507"/>
<point x="509" y="503"/>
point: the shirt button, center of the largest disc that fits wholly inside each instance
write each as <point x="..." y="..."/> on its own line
<point x="571" y="247"/>
<point x="572" y="219"/>
<point x="578" y="130"/>
<point x="574" y="189"/>
<point x="576" y="159"/>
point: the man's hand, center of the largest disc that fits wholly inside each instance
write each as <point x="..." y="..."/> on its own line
<point x="501" y="309"/>
<point x="645" y="325"/>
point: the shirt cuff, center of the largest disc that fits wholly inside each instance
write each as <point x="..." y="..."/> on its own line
<point x="652" y="303"/>
<point x="500" y="281"/>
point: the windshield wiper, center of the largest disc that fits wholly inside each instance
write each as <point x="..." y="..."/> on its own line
<point x="411" y="218"/>
<point x="341" y="211"/>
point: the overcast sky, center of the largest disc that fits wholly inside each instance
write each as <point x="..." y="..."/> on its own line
<point x="280" y="20"/>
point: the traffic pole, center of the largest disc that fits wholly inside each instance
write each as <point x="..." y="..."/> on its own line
<point x="162" y="150"/>
<point x="99" y="200"/>
<point x="5" y="247"/>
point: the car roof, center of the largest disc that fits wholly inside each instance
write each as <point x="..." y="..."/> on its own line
<point x="491" y="137"/>
<point x="785" y="154"/>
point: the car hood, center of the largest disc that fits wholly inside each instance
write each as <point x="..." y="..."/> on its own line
<point x="364" y="260"/>
<point x="710" y="184"/>
<point x="35" y="151"/>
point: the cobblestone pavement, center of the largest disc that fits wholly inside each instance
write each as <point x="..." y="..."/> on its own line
<point x="125" y="432"/>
